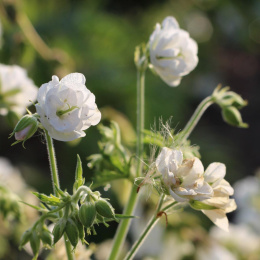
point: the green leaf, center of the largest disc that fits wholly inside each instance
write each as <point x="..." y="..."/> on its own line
<point x="79" y="180"/>
<point x="32" y="206"/>
<point x="52" y="200"/>
<point x="198" y="205"/>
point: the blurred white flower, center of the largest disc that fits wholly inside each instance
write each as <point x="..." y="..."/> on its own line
<point x="173" y="54"/>
<point x="184" y="178"/>
<point x="248" y="201"/>
<point x="67" y="107"/>
<point x="10" y="177"/>
<point x="16" y="89"/>
<point x="214" y="175"/>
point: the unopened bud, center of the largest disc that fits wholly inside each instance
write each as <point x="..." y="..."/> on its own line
<point x="25" y="128"/>
<point x="87" y="214"/>
<point x="58" y="230"/>
<point x="72" y="232"/>
<point x="35" y="243"/>
<point x="104" y="209"/>
<point x="25" y="238"/>
<point x="46" y="237"/>
<point x="233" y="117"/>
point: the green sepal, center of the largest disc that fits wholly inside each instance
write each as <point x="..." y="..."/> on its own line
<point x="79" y="180"/>
<point x="87" y="214"/>
<point x="50" y="200"/>
<point x="104" y="208"/>
<point x="25" y="238"/>
<point x="58" y="230"/>
<point x="198" y="205"/>
<point x="232" y="116"/>
<point x="33" y="206"/>
<point x="35" y="243"/>
<point x="72" y="232"/>
<point x="46" y="237"/>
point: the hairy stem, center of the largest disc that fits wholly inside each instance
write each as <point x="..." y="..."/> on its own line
<point x="130" y="206"/>
<point x="55" y="181"/>
<point x="147" y="230"/>
<point x="195" y="118"/>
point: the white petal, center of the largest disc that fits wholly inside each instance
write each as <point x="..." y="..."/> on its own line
<point x="74" y="78"/>
<point x="218" y="217"/>
<point x="215" y="172"/>
<point x="177" y="198"/>
<point x="170" y="23"/>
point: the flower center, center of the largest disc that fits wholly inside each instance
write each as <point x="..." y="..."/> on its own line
<point x="60" y="113"/>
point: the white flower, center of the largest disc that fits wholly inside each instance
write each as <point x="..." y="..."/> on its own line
<point x="184" y="178"/>
<point x="67" y="107"/>
<point x="173" y="54"/>
<point x="214" y="175"/>
<point x="16" y="89"/>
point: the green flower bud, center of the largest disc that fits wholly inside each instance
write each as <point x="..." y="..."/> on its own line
<point x="25" y="238"/>
<point x="233" y="117"/>
<point x="58" y="230"/>
<point x="80" y="228"/>
<point x="87" y="214"/>
<point x="104" y="208"/>
<point x="46" y="237"/>
<point x="25" y="128"/>
<point x="72" y="232"/>
<point x="35" y="242"/>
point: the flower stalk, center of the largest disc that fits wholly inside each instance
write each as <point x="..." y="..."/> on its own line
<point x="56" y="182"/>
<point x="153" y="221"/>
<point x="185" y="133"/>
<point x="129" y="209"/>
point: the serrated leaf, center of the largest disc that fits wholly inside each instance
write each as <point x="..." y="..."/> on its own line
<point x="52" y="200"/>
<point x="198" y="205"/>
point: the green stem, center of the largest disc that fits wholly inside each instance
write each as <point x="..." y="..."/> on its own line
<point x="55" y="181"/>
<point x="53" y="164"/>
<point x="147" y="230"/>
<point x="129" y="209"/>
<point x="195" y="118"/>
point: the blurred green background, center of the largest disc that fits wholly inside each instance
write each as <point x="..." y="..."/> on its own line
<point x="98" y="38"/>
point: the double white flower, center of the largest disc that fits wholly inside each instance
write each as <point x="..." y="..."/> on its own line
<point x="67" y="107"/>
<point x="173" y="54"/>
<point x="183" y="177"/>
<point x="187" y="181"/>
<point x="16" y="90"/>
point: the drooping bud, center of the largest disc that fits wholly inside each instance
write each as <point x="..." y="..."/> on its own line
<point x="25" y="238"/>
<point x="72" y="232"/>
<point x="104" y="208"/>
<point x="233" y="117"/>
<point x="58" y="230"/>
<point x="25" y="128"/>
<point x="46" y="237"/>
<point x="87" y="214"/>
<point x="35" y="243"/>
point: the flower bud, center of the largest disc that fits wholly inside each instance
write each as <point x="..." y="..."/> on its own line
<point x="35" y="242"/>
<point x="25" y="238"/>
<point x="233" y="117"/>
<point x="25" y="128"/>
<point x="80" y="228"/>
<point x="46" y="237"/>
<point x="104" y="208"/>
<point x="87" y="214"/>
<point x="72" y="232"/>
<point x="58" y="230"/>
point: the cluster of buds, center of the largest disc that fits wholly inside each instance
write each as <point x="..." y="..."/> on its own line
<point x="72" y="215"/>
<point x="230" y="103"/>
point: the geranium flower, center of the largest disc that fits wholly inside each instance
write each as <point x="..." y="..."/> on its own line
<point x="67" y="107"/>
<point x="16" y="90"/>
<point x="184" y="178"/>
<point x="173" y="54"/>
